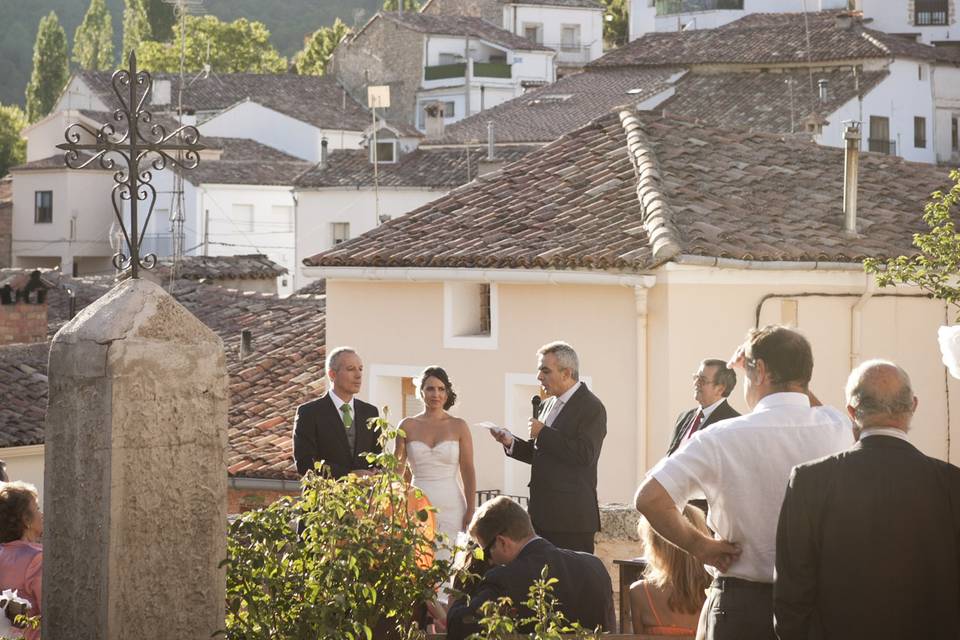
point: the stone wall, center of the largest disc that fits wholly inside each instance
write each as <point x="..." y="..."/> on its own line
<point x="617" y="540"/>
<point x="23" y="323"/>
<point x="384" y="53"/>
<point x="240" y="500"/>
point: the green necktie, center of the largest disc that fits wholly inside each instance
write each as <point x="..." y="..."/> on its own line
<point x="347" y="418"/>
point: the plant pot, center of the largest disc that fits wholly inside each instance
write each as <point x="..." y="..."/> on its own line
<point x="949" y="339"/>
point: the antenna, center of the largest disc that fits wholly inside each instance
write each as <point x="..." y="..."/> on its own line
<point x="182" y="8"/>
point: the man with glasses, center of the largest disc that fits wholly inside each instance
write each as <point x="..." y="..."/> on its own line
<point x="742" y="467"/>
<point x="503" y="529"/>
<point x="712" y="384"/>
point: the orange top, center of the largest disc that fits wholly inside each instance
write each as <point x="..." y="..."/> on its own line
<point x="663" y="629"/>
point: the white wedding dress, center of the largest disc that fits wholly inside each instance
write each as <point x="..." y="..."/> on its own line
<point x="435" y="472"/>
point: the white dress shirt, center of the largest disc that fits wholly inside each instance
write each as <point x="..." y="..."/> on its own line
<point x="893" y="432"/>
<point x="742" y="466"/>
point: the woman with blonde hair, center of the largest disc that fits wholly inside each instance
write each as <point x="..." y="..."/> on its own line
<point x="668" y="599"/>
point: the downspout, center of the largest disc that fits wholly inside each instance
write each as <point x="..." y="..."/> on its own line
<point x="640" y="294"/>
<point x="856" y="322"/>
<point x="851" y="166"/>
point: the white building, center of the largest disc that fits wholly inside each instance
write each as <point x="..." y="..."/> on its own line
<point x="572" y="28"/>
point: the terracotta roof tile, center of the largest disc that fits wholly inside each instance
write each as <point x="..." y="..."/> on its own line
<point x="764" y="197"/>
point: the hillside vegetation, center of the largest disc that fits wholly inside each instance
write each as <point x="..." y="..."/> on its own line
<point x="289" y="21"/>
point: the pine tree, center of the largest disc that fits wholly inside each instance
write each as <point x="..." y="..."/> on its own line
<point x="318" y="49"/>
<point x="136" y="27"/>
<point x="13" y="148"/>
<point x="93" y="39"/>
<point x="50" y="72"/>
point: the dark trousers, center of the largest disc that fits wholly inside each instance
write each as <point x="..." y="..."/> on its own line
<point x="738" y="609"/>
<point x="569" y="540"/>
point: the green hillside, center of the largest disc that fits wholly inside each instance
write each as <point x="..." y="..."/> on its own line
<point x="288" y="20"/>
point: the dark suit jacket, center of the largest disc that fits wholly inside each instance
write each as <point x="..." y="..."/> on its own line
<point x="318" y="434"/>
<point x="563" y="474"/>
<point x="583" y="591"/>
<point x="723" y="412"/>
<point x="868" y="546"/>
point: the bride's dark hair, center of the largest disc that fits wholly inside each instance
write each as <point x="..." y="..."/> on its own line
<point x="441" y="375"/>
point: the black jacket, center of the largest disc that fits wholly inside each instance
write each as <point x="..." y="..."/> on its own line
<point x="563" y="474"/>
<point x="318" y="434"/>
<point x="723" y="412"/>
<point x="868" y="546"/>
<point x="583" y="589"/>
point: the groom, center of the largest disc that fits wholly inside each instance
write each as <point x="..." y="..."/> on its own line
<point x="333" y="428"/>
<point x="563" y="450"/>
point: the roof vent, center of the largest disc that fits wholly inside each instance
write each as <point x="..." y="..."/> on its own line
<point x="822" y="85"/>
<point x="551" y="98"/>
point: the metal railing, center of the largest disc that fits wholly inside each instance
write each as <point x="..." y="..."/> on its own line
<point x="441" y="71"/>
<point x="882" y="146"/>
<point x="486" y="494"/>
<point x="670" y="7"/>
<point x="929" y="18"/>
<point x="492" y="70"/>
<point x="570" y="53"/>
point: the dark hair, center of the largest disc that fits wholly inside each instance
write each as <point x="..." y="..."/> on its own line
<point x="786" y="353"/>
<point x="441" y="375"/>
<point x="15" y="501"/>
<point x="500" y="516"/>
<point x="3" y="472"/>
<point x="725" y="376"/>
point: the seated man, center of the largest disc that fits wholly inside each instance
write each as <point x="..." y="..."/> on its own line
<point x="583" y="590"/>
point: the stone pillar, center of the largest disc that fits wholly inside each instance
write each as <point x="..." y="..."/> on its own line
<point x="135" y="474"/>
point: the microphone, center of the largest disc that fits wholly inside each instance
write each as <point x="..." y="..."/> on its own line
<point x="535" y="402"/>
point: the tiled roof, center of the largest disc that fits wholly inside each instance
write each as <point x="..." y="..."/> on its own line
<point x="253" y="266"/>
<point x="436" y="168"/>
<point x="548" y="112"/>
<point x="317" y="287"/>
<point x="462" y="26"/>
<point x="573" y="204"/>
<point x="284" y="370"/>
<point x="583" y="4"/>
<point x="766" y="39"/>
<point x="316" y="100"/>
<point x="55" y="161"/>
<point x="23" y="378"/>
<point x="760" y="101"/>
<point x="245" y="161"/>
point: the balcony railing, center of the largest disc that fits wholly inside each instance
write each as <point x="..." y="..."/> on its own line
<point x="568" y="53"/>
<point x="459" y="70"/>
<point x="492" y="70"/>
<point x="670" y="7"/>
<point x="888" y="147"/>
<point x="441" y="71"/>
<point x="929" y="18"/>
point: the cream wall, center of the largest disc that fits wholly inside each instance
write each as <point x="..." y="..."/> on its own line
<point x="529" y="316"/>
<point x="692" y="313"/>
<point x="26" y="464"/>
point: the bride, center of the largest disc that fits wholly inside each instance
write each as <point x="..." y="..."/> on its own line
<point x="438" y="447"/>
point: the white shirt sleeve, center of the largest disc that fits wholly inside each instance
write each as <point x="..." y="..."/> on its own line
<point x="689" y="471"/>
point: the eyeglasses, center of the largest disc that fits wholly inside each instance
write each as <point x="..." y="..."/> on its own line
<point x="702" y="379"/>
<point x="488" y="548"/>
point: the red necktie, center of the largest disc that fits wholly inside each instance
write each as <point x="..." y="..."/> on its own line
<point x="695" y="425"/>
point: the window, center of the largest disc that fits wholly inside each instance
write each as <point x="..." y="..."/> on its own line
<point x="43" y="207"/>
<point x="930" y="12"/>
<point x="386" y="151"/>
<point x="954" y="134"/>
<point x="921" y="72"/>
<point x="570" y="36"/>
<point x="340" y="232"/>
<point x="241" y="215"/>
<point x="470" y="315"/>
<point x="449" y="109"/>
<point x="879" y="140"/>
<point x="449" y="58"/>
<point x="533" y="31"/>
<point x="919" y="132"/>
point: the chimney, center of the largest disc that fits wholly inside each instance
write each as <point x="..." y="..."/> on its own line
<point x="246" y="343"/>
<point x="434" y="119"/>
<point x="323" y="151"/>
<point x="161" y="93"/>
<point x="822" y="85"/>
<point x="851" y="162"/>
<point x="23" y="309"/>
<point x="491" y="155"/>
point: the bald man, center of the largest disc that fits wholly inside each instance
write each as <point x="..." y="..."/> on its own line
<point x="868" y="541"/>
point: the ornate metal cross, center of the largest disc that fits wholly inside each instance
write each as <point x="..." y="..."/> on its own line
<point x="142" y="141"/>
